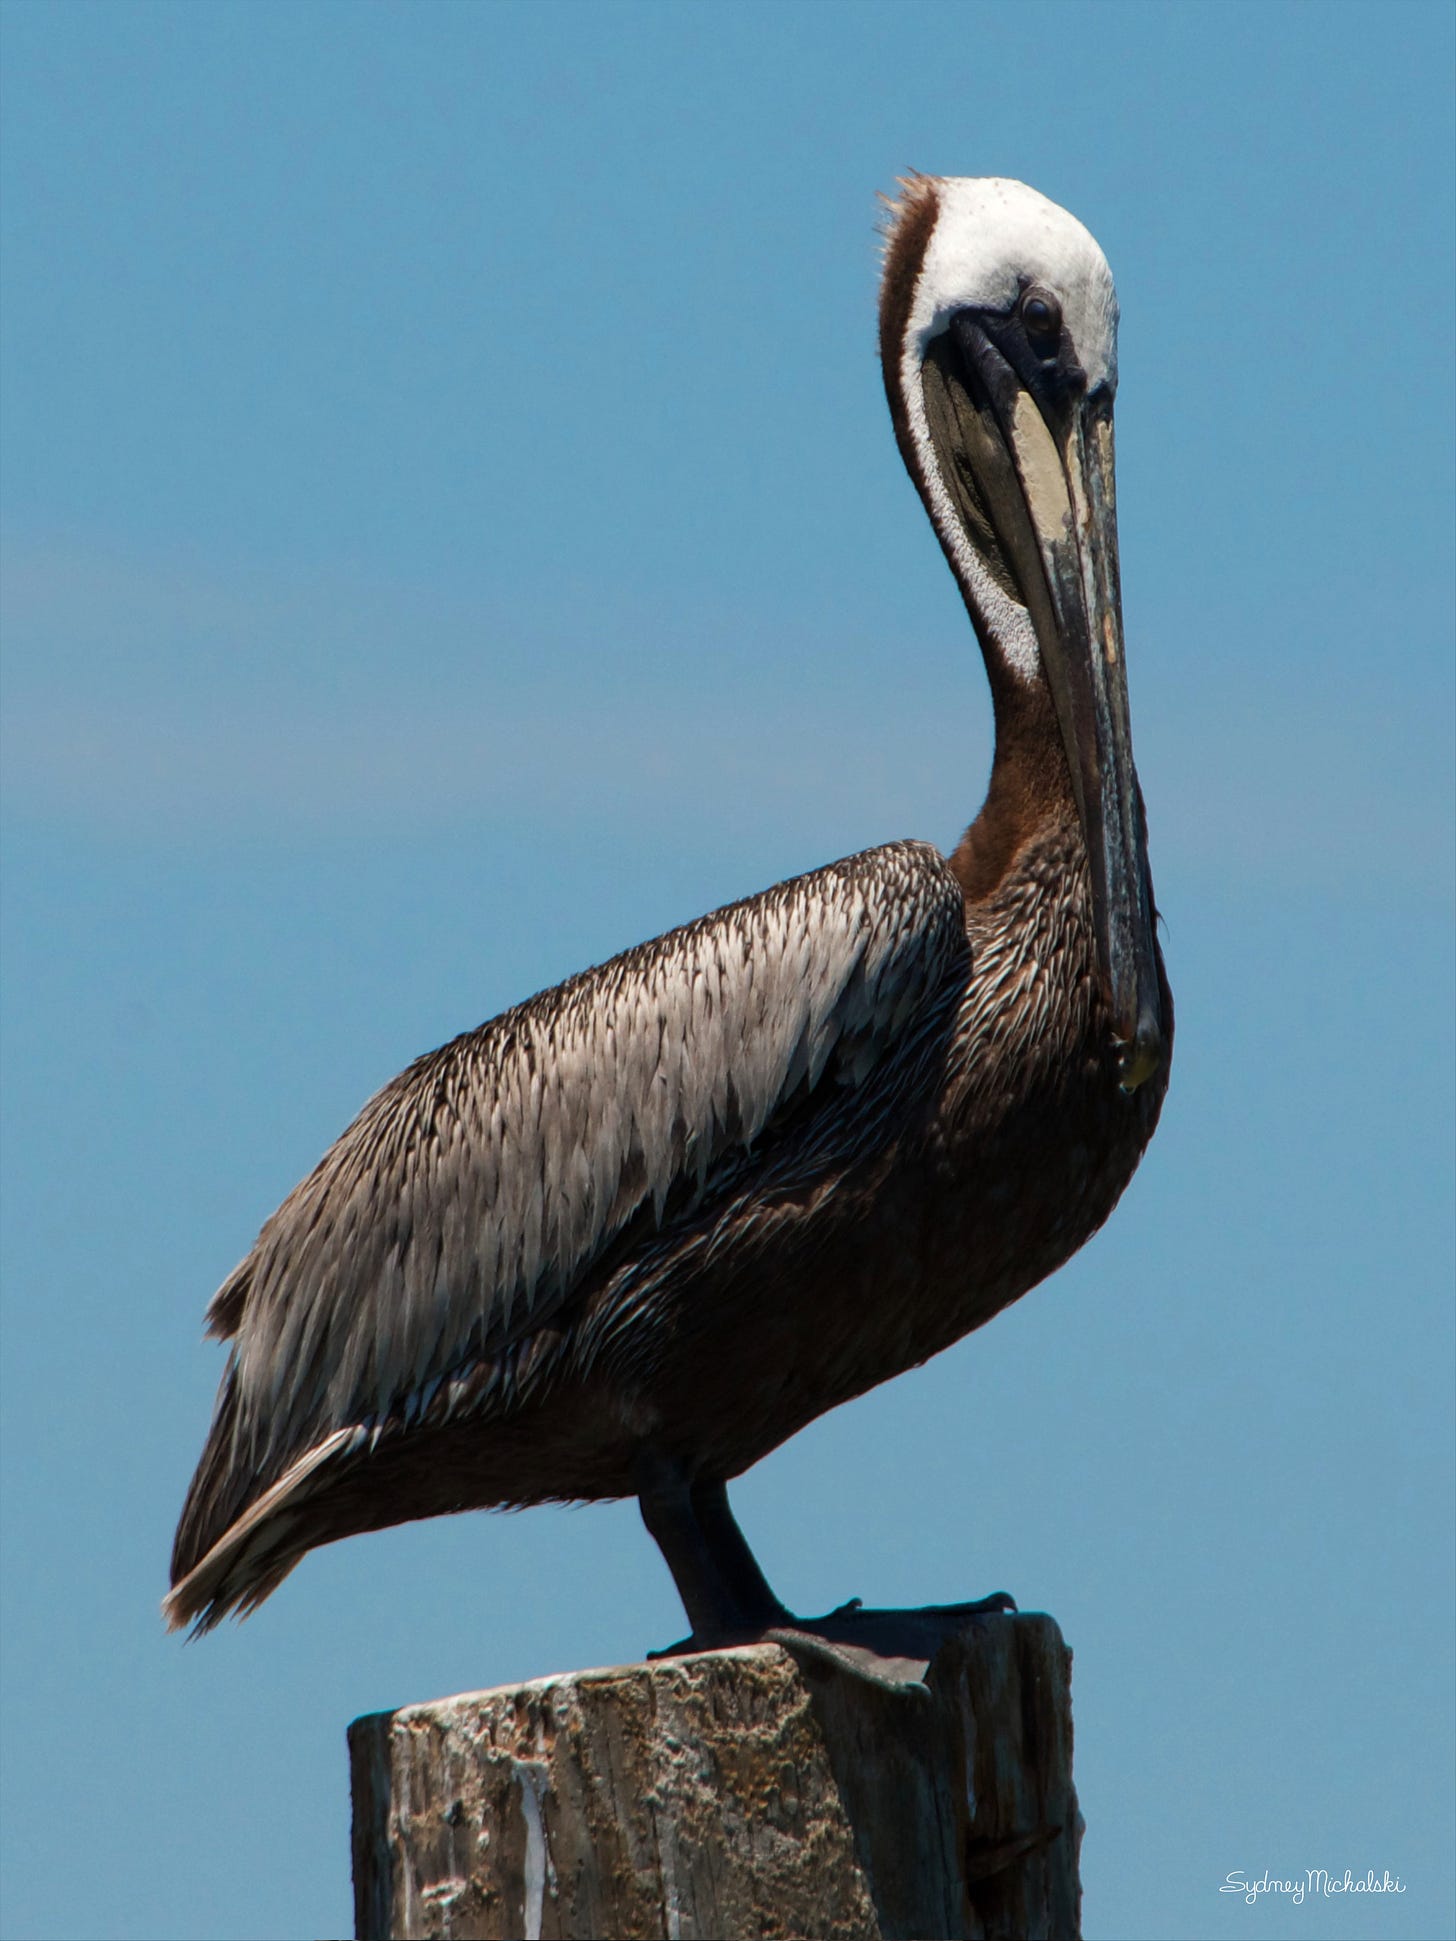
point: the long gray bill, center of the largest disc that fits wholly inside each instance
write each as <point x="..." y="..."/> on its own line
<point x="1037" y="491"/>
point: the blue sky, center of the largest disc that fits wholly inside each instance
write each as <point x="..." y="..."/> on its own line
<point x="451" y="531"/>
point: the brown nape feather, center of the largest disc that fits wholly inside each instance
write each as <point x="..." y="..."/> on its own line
<point x="908" y="226"/>
<point x="908" y="221"/>
<point x="1030" y="788"/>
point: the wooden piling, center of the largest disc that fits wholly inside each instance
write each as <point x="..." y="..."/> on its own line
<point x="734" y="1794"/>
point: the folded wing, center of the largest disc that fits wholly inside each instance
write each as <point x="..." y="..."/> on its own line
<point x="472" y="1194"/>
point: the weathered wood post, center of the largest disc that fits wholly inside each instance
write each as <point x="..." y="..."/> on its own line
<point x="734" y="1794"/>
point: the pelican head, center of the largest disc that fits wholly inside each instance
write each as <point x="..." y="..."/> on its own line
<point x="998" y="332"/>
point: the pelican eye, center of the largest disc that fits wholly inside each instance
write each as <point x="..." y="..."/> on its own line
<point x="1042" y="316"/>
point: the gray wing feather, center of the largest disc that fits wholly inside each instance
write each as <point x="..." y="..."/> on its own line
<point x="472" y="1193"/>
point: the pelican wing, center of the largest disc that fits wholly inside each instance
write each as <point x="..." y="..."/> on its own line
<point x="470" y="1195"/>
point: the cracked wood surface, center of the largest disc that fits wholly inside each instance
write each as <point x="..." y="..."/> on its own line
<point x="735" y="1794"/>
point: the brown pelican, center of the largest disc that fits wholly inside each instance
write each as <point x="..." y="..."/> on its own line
<point x="630" y="1236"/>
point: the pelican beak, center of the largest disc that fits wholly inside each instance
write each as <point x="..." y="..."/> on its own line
<point x="1030" y="455"/>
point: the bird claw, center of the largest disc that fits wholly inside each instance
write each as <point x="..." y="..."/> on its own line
<point x="983" y="1606"/>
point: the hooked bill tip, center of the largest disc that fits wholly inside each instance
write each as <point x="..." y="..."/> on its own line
<point x="1141" y="1057"/>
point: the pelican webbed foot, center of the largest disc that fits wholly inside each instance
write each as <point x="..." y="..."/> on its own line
<point x="729" y="1602"/>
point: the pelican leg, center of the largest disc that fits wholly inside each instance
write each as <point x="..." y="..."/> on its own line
<point x="729" y="1601"/>
<point x="724" y="1593"/>
<point x="752" y="1595"/>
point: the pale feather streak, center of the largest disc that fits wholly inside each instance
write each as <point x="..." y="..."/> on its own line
<point x="471" y="1194"/>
